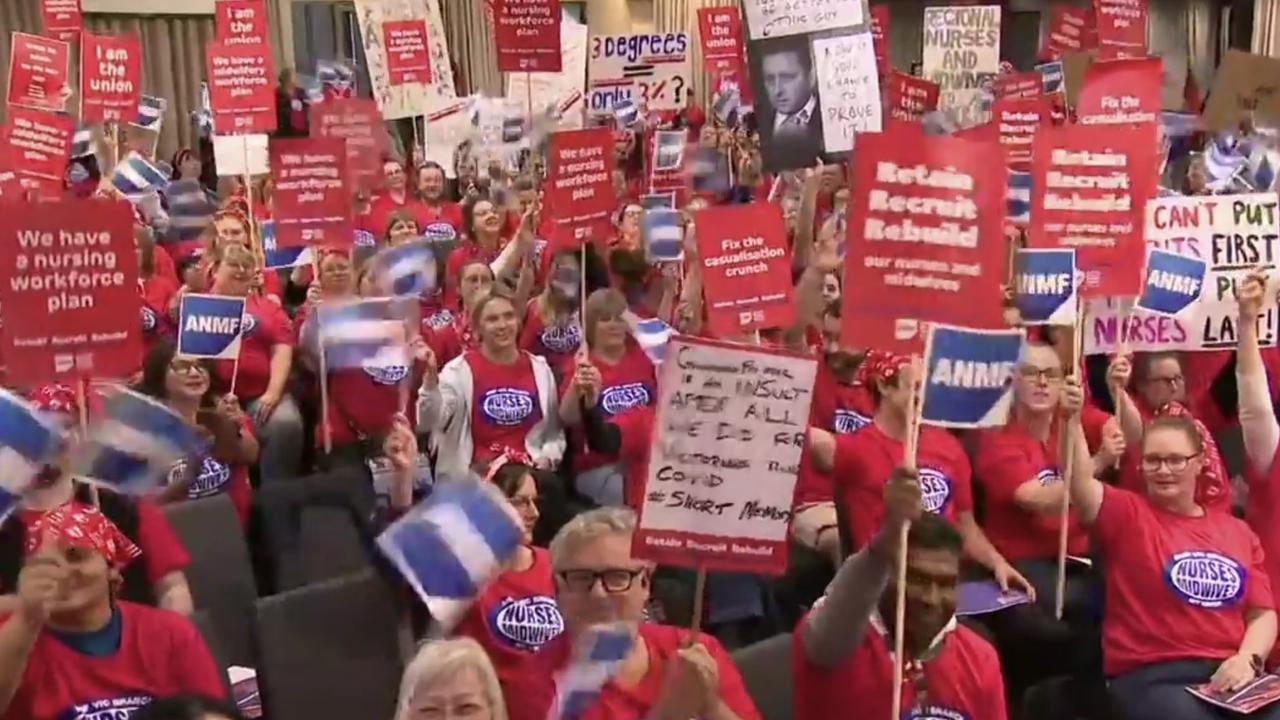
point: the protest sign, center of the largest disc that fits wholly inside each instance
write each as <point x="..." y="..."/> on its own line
<point x="849" y="86"/>
<point x="526" y="34"/>
<point x="110" y="78"/>
<point x="559" y="94"/>
<point x="1173" y="283"/>
<point x="62" y="19"/>
<point x="720" y="30"/>
<point x="650" y="70"/>
<point x="240" y="155"/>
<point x="355" y="120"/>
<point x="910" y="97"/>
<point x="961" y="49"/>
<point x="1044" y="286"/>
<point x="746" y="268"/>
<point x="406" y="46"/>
<point x="968" y="376"/>
<point x="1233" y="235"/>
<point x="924" y="245"/>
<point x="1017" y="85"/>
<point x="1246" y="87"/>
<point x="1120" y="91"/>
<point x="879" y="35"/>
<point x="1088" y="190"/>
<point x="37" y="145"/>
<point x="1071" y="29"/>
<point x="209" y="326"/>
<point x="311" y="203"/>
<point x="665" y="160"/>
<point x="724" y="455"/>
<point x="240" y="22"/>
<point x="1017" y="120"/>
<point x="275" y="257"/>
<point x="412" y="99"/>
<point x="579" y="188"/>
<point x="1052" y="78"/>
<point x="242" y="92"/>
<point x="73" y="267"/>
<point x="38" y="72"/>
<point x="447" y="129"/>
<point x="768" y="18"/>
<point x="1121" y="27"/>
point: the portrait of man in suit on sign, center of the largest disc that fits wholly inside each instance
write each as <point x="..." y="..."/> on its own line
<point x="788" y="109"/>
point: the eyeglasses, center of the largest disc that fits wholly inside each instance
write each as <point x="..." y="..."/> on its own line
<point x="1172" y="382"/>
<point x="187" y="367"/>
<point x="1037" y="374"/>
<point x="1175" y="463"/>
<point x="613" y="580"/>
<point x="523" y="503"/>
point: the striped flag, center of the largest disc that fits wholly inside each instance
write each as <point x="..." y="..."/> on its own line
<point x="650" y="333"/>
<point x="1018" y="197"/>
<point x="452" y="544"/>
<point x="408" y="269"/>
<point x="151" y="112"/>
<point x="135" y="444"/>
<point x="190" y="210"/>
<point x="627" y="113"/>
<point x="596" y="658"/>
<point x="369" y="333"/>
<point x="336" y="79"/>
<point x="82" y="142"/>
<point x="135" y="176"/>
<point x="660" y="228"/>
<point x="27" y="441"/>
<point x="203" y="118"/>
<point x="1223" y="163"/>
<point x="727" y="102"/>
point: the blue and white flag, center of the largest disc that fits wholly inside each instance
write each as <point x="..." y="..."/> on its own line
<point x="707" y="170"/>
<point x="597" y="655"/>
<point x="203" y="117"/>
<point x="651" y="334"/>
<point x="452" y="544"/>
<point x="81" y="143"/>
<point x="135" y="177"/>
<point x="190" y="209"/>
<point x="369" y="333"/>
<point x="1044" y="288"/>
<point x="662" y="235"/>
<point x="969" y="376"/>
<point x="27" y="442"/>
<point x="336" y="77"/>
<point x="626" y="112"/>
<point x="1173" y="283"/>
<point x="408" y="269"/>
<point x="151" y="112"/>
<point x="135" y="443"/>
<point x="273" y="257"/>
<point x="1051" y="77"/>
<point x="1018" y="197"/>
<point x="210" y="326"/>
<point x="654" y="201"/>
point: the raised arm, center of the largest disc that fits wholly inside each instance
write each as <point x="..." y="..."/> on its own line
<point x="1257" y="419"/>
<point x="1086" y="489"/>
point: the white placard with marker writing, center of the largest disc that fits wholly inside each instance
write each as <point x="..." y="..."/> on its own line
<point x="729" y="432"/>
<point x="651" y="70"/>
<point x="771" y="18"/>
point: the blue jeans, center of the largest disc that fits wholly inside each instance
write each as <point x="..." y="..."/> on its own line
<point x="1158" y="692"/>
<point x="281" y="440"/>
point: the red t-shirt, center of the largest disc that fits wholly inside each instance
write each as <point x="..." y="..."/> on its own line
<point x="1177" y="587"/>
<point x="383" y="205"/>
<point x="636" y="428"/>
<point x="364" y="400"/>
<point x="514" y="617"/>
<point x="963" y="681"/>
<point x="1005" y="458"/>
<point x="162" y="551"/>
<point x="439" y="223"/>
<point x="160" y="654"/>
<point x="157" y="293"/>
<point x="265" y="326"/>
<point x="505" y="404"/>
<point x="530" y="696"/>
<point x="449" y="340"/>
<point x="464" y="253"/>
<point x="217" y="477"/>
<point x="839" y="408"/>
<point x="865" y="459"/>
<point x="553" y="342"/>
<point x="629" y="384"/>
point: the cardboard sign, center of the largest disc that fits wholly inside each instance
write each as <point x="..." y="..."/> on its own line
<point x="311" y="203"/>
<point x="209" y="326"/>
<point x="1122" y="27"/>
<point x="1044" y="286"/>
<point x="879" y="35"/>
<point x="560" y="94"/>
<point x="1018" y="120"/>
<point x="37" y="145"/>
<point x="527" y="34"/>
<point x="923" y="245"/>
<point x="649" y="70"/>
<point x="242" y="92"/>
<point x="720" y="30"/>
<point x="73" y="266"/>
<point x="1071" y="29"/>
<point x="1120" y="91"/>
<point x="358" y="122"/>
<point x="748" y="407"/>
<point x="111" y="78"/>
<point x="746" y="268"/>
<point x="1173" y="283"/>
<point x="1088" y="190"/>
<point x="969" y="376"/>
<point x="1232" y="235"/>
<point x="665" y="159"/>
<point x="849" y="85"/>
<point x="768" y="18"/>
<point x="240" y="22"/>
<point x="910" y="97"/>
<point x="1247" y="87"/>
<point x="579" y="188"/>
<point x="38" y="72"/>
<point x="241" y="155"/>
<point x="412" y="99"/>
<point x="407" y="57"/>
<point x="961" y="49"/>
<point x="62" y="19"/>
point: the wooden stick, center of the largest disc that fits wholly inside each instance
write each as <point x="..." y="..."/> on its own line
<point x="414" y="161"/>
<point x="699" y="590"/>
<point x="900" y="606"/>
<point x="1066" y="460"/>
<point x="528" y="96"/>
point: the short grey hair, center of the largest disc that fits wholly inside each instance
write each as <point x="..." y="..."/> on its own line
<point x="590" y="525"/>
<point x="441" y="659"/>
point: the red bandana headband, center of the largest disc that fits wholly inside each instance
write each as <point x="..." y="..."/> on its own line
<point x="504" y="457"/>
<point x="77" y="525"/>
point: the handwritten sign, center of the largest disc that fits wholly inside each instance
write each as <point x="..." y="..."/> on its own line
<point x="849" y="86"/>
<point x="561" y="93"/>
<point x="770" y="18"/>
<point x="961" y="49"/>
<point x="650" y="70"/>
<point x="1246" y="87"/>
<point x="722" y="467"/>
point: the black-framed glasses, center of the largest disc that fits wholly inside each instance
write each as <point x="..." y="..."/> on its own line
<point x="613" y="580"/>
<point x="1036" y="374"/>
<point x="1175" y="463"/>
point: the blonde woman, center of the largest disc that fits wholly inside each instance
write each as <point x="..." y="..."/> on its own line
<point x="450" y="678"/>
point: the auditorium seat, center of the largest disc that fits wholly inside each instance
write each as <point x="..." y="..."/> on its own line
<point x="766" y="672"/>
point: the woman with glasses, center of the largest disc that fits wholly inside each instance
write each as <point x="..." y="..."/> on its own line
<point x="516" y="614"/>
<point x="483" y="224"/>
<point x="183" y="384"/>
<point x="1189" y="601"/>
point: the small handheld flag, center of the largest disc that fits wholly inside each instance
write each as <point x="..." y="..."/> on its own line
<point x="135" y="177"/>
<point x="274" y="257"/>
<point x="596" y="658"/>
<point x="1045" y="286"/>
<point x="1018" y="197"/>
<point x="650" y="333"/>
<point x="662" y="237"/>
<point x="369" y="333"/>
<point x="627" y="113"/>
<point x="210" y="326"/>
<point x="27" y="442"/>
<point x="81" y="143"/>
<point x="151" y="112"/>
<point x="190" y="210"/>
<point x="135" y="443"/>
<point x="408" y="269"/>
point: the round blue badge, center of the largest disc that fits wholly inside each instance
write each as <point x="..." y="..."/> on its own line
<point x="248" y="324"/>
<point x="148" y="319"/>
<point x="526" y="623"/>
<point x="385" y="374"/>
<point x="439" y="231"/>
<point x="619" y="398"/>
<point x="1048" y="476"/>
<point x="848" y="421"/>
<point x="935" y="489"/>
<point x="506" y="406"/>
<point x="1205" y="579"/>
<point x="563" y="340"/>
<point x="211" y="480"/>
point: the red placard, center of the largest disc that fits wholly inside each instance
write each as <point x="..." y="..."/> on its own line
<point x="908" y="97"/>
<point x="38" y="71"/>
<point x="1017" y="85"/>
<point x="527" y="34"/>
<point x="1071" y="29"/>
<point x="924" y="244"/>
<point x="1089" y="188"/>
<point x="1018" y="120"/>
<point x="746" y="268"/>
<point x="358" y="122"/>
<point x="37" y="144"/>
<point x="879" y="35"/>
<point x="241" y="22"/>
<point x="62" y="19"/>
<point x="579" y="187"/>
<point x="110" y="77"/>
<point x="309" y="195"/>
<point x="407" y="58"/>
<point x="241" y="88"/>
<point x="1120" y="91"/>
<point x="73" y="266"/>
<point x="720" y="29"/>
<point x="1122" y="27"/>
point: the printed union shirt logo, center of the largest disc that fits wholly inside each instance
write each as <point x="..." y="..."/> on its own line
<point x="384" y="374"/>
<point x="848" y="421"/>
<point x="363" y="238"/>
<point x="1048" y="476"/>
<point x="440" y="231"/>
<point x="249" y="324"/>
<point x="121" y="708"/>
<point x="935" y="490"/>
<point x="440" y="318"/>
<point x="148" y="319"/>
<point x="506" y="406"/>
<point x="559" y="339"/>
<point x="526" y="623"/>
<point x="1205" y="579"/>
<point x="617" y="398"/>
<point x="933" y="712"/>
<point x="213" y="478"/>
